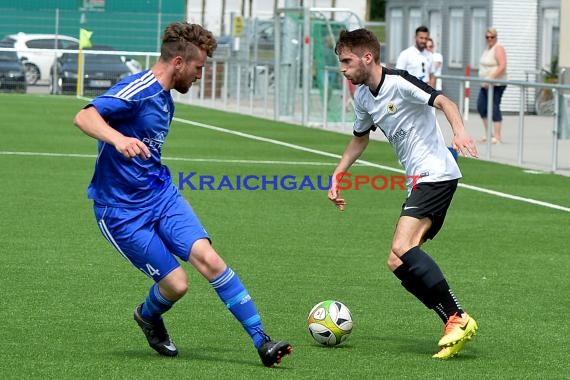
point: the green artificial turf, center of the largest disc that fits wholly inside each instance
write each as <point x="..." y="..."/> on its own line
<point x="68" y="297"/>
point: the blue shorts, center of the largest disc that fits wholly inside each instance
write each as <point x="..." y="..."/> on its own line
<point x="150" y="237"/>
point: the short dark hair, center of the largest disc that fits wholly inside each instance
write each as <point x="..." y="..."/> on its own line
<point x="183" y="39"/>
<point x="422" y="29"/>
<point x="358" y="41"/>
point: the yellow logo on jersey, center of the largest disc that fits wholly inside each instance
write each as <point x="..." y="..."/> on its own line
<point x="391" y="108"/>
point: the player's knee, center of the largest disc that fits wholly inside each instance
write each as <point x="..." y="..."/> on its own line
<point x="179" y="289"/>
<point x="214" y="262"/>
<point x="175" y="285"/>
<point x="206" y="260"/>
<point x="400" y="247"/>
<point x="393" y="261"/>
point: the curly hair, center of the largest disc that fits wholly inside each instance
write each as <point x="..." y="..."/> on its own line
<point x="184" y="39"/>
<point x="358" y="41"/>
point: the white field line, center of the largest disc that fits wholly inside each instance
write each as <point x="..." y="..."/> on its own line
<point x="368" y="163"/>
<point x="296" y="147"/>
<point x="208" y="160"/>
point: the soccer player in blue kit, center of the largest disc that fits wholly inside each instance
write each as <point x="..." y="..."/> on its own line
<point x="138" y="208"/>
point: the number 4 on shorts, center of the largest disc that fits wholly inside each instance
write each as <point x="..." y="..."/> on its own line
<point x="151" y="271"/>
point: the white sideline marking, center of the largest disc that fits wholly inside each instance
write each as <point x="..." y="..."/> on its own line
<point x="47" y="154"/>
<point x="211" y="160"/>
<point x="268" y="162"/>
<point x="368" y="163"/>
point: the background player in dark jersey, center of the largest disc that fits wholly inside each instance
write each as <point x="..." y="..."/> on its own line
<point x="138" y="208"/>
<point x="400" y="105"/>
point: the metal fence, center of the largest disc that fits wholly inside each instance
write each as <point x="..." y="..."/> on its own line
<point x="242" y="77"/>
<point x="551" y="100"/>
<point x="135" y="31"/>
<point x="231" y="81"/>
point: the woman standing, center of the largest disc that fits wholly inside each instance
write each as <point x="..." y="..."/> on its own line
<point x="492" y="65"/>
<point x="437" y="63"/>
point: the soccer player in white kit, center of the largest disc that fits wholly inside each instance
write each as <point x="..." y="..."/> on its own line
<point x="400" y="105"/>
<point x="417" y="59"/>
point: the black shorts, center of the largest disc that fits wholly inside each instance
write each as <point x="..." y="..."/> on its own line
<point x="431" y="200"/>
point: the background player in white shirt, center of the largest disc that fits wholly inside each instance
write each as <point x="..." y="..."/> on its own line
<point x="437" y="63"/>
<point x="417" y="60"/>
<point x="400" y="105"/>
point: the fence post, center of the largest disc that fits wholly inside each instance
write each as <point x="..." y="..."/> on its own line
<point x="202" y="85"/>
<point x="555" y="94"/>
<point x="225" y="88"/>
<point x="490" y="123"/>
<point x="266" y="90"/>
<point x="521" y="126"/>
<point x="344" y="101"/>
<point x="466" y="94"/>
<point x="326" y="98"/>
<point x="214" y="68"/>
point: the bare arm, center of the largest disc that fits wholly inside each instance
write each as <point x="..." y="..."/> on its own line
<point x="462" y="142"/>
<point x="353" y="150"/>
<point x="436" y="65"/>
<point x="432" y="80"/>
<point x="92" y="124"/>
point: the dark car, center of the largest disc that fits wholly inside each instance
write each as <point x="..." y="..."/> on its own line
<point x="101" y="71"/>
<point x="12" y="71"/>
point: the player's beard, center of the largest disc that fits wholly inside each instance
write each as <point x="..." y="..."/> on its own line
<point x="358" y="77"/>
<point x="183" y="89"/>
<point x="183" y="86"/>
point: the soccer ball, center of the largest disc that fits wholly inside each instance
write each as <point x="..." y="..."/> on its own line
<point x="330" y="322"/>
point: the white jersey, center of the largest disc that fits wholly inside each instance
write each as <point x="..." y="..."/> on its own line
<point x="401" y="107"/>
<point x="437" y="58"/>
<point x="416" y="62"/>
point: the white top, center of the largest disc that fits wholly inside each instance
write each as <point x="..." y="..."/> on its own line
<point x="418" y="63"/>
<point x="437" y="57"/>
<point x="402" y="108"/>
<point x="488" y="63"/>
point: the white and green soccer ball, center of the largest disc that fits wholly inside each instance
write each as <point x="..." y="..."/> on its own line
<point x="330" y="322"/>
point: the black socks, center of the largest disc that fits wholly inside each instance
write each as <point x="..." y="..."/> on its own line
<point x="421" y="276"/>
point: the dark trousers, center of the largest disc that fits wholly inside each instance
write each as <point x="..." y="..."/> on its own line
<point x="497" y="96"/>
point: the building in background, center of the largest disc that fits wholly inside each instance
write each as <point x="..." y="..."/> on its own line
<point x="529" y="30"/>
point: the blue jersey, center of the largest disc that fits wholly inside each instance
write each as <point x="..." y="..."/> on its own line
<point x="137" y="107"/>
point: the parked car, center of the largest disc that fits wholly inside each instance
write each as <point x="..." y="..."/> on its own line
<point x="133" y="65"/>
<point x="39" y="62"/>
<point x="12" y="73"/>
<point x="100" y="71"/>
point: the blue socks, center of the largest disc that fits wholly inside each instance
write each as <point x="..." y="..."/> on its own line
<point x="155" y="305"/>
<point x="236" y="298"/>
<point x="232" y="293"/>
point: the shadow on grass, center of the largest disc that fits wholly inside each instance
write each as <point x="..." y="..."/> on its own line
<point x="417" y="346"/>
<point x="342" y="346"/>
<point x="203" y="353"/>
